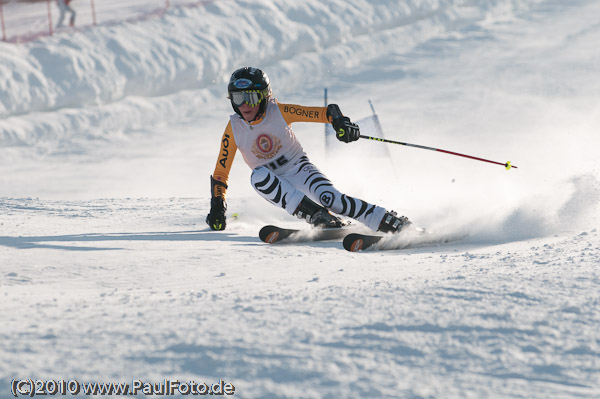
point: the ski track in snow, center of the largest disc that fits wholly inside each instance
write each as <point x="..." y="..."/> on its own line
<point x="108" y="271"/>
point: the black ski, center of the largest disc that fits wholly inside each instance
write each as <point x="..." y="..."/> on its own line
<point x="272" y="234"/>
<point x="410" y="239"/>
<point x="358" y="242"/>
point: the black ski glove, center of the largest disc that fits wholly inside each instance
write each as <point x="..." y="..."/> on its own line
<point x="345" y="130"/>
<point x="216" y="219"/>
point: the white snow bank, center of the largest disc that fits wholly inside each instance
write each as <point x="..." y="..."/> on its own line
<point x="111" y="67"/>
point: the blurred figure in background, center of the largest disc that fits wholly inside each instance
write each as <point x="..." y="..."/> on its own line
<point x="64" y="6"/>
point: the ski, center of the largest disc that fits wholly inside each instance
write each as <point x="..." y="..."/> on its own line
<point x="355" y="242"/>
<point x="272" y="234"/>
<point x="358" y="242"/>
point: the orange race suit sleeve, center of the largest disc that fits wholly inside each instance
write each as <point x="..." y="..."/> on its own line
<point x="224" y="162"/>
<point x="298" y="113"/>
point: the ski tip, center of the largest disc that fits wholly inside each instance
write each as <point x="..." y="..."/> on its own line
<point x="354" y="242"/>
<point x="272" y="234"/>
<point x="268" y="234"/>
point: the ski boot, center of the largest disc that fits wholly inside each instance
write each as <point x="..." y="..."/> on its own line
<point x="324" y="219"/>
<point x="316" y="215"/>
<point x="391" y="223"/>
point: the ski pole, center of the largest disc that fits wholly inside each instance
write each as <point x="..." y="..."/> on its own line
<point x="507" y="165"/>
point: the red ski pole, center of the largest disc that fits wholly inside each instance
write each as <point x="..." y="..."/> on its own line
<point x="507" y="165"/>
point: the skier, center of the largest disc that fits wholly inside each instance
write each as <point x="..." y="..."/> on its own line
<point x="63" y="6"/>
<point x="282" y="173"/>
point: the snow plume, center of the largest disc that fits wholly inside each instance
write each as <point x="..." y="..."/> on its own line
<point x="582" y="209"/>
<point x="571" y="205"/>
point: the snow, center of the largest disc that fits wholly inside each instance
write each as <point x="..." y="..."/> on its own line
<point x="108" y="272"/>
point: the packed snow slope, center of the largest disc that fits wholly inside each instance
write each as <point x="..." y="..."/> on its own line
<point x="108" y="272"/>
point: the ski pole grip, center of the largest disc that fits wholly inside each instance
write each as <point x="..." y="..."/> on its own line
<point x="333" y="112"/>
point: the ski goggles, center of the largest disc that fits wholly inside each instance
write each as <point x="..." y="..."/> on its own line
<point x="250" y="97"/>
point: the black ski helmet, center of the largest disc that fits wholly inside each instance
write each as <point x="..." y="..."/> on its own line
<point x="250" y="79"/>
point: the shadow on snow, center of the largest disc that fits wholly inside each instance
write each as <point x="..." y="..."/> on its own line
<point x="51" y="242"/>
